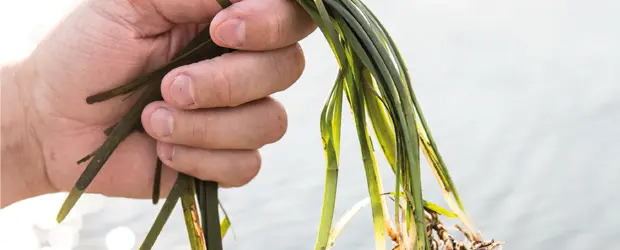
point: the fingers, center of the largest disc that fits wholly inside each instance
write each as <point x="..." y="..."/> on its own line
<point x="248" y="126"/>
<point x="230" y="168"/>
<point x="261" y="25"/>
<point x="217" y="144"/>
<point x="233" y="79"/>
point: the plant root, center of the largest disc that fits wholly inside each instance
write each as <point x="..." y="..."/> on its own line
<point x="440" y="239"/>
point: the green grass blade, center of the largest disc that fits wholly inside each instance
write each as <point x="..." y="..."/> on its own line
<point x="330" y="33"/>
<point x="356" y="99"/>
<point x="381" y="121"/>
<point x="157" y="182"/>
<point x="211" y="218"/>
<point x="180" y="186"/>
<point x="384" y="131"/>
<point x="192" y="218"/>
<point x="369" y="87"/>
<point x="330" y="124"/>
<point x="225" y="225"/>
<point x="440" y="210"/>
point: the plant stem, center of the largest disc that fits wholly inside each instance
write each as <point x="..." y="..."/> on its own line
<point x="173" y="197"/>
<point x="157" y="182"/>
<point x="211" y="216"/>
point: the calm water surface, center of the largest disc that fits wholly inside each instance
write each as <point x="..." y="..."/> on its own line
<point x="523" y="98"/>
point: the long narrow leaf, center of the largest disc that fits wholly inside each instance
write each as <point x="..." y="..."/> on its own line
<point x="330" y="132"/>
<point x="356" y="99"/>
<point x="346" y="218"/>
<point x="192" y="218"/>
<point x="173" y="197"/>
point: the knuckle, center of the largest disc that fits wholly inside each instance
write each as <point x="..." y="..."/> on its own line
<point x="279" y="121"/>
<point x="197" y="129"/>
<point x="251" y="167"/>
<point x="297" y="61"/>
<point x="221" y="86"/>
<point x="195" y="170"/>
<point x="178" y="161"/>
<point x="276" y="29"/>
<point x="289" y="65"/>
<point x="248" y="168"/>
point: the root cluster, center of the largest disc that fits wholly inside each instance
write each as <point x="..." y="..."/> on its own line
<point x="440" y="239"/>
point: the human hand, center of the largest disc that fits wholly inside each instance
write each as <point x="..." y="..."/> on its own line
<point x="215" y="116"/>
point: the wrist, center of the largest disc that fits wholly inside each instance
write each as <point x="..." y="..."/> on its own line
<point x="22" y="172"/>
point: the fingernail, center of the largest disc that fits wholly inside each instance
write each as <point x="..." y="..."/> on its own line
<point x="232" y="32"/>
<point x="165" y="151"/>
<point x="181" y="90"/>
<point x="161" y="122"/>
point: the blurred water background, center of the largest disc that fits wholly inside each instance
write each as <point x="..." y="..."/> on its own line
<point x="523" y="98"/>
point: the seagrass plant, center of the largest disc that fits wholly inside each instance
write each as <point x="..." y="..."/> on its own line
<point x="374" y="78"/>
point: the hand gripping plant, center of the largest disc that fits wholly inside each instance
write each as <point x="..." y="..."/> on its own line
<point x="374" y="78"/>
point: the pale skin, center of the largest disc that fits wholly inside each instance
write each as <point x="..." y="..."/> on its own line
<point x="215" y="116"/>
